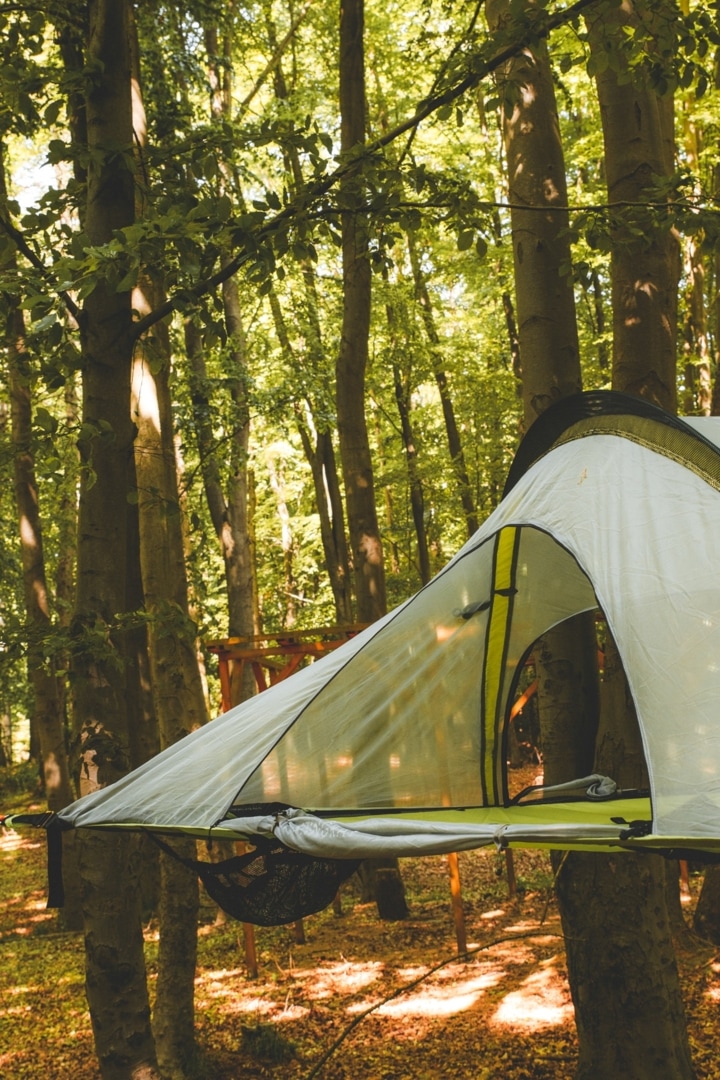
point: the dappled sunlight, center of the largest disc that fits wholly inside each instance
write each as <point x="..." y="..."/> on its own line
<point x="10" y="840"/>
<point x="232" y="1003"/>
<point x="542" y="1001"/>
<point x="224" y="973"/>
<point x="344" y="977"/>
<point x="14" y="991"/>
<point x="432" y="1000"/>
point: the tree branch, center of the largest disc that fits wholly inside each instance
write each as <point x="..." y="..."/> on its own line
<point x="24" y="248"/>
<point x="424" y="109"/>
<point x="276" y="57"/>
<point x="416" y="982"/>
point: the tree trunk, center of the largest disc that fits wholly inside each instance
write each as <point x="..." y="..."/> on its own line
<point x="457" y="454"/>
<point x="321" y="455"/>
<point x="623" y="977"/>
<point x="639" y="146"/>
<point x="48" y="715"/>
<point x="47" y="696"/>
<point x="621" y="963"/>
<point x="417" y="498"/>
<point x="365" y="542"/>
<point x="622" y="970"/>
<point x="548" y="347"/>
<point x="715" y="403"/>
<point x="115" y="967"/>
<point x="401" y="381"/>
<point x="637" y="1028"/>
<point x="228" y="503"/>
<point x="175" y="677"/>
<point x="547" y="327"/>
<point x="706" y="922"/>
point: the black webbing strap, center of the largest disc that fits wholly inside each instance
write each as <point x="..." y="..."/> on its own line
<point x="54" y="828"/>
<point x="56" y="890"/>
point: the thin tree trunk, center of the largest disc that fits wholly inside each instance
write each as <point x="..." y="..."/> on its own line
<point x="47" y="713"/>
<point x="401" y="383"/>
<point x="287" y="546"/>
<point x="320" y="453"/>
<point x="600" y="326"/>
<point x="513" y="339"/>
<point x="457" y="454"/>
<point x="715" y="403"/>
<point x="417" y="498"/>
<point x="115" y="966"/>
<point x="228" y="503"/>
<point x="48" y="716"/>
<point x="698" y="380"/>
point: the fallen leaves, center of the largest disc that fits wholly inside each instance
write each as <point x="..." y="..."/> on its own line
<point x="505" y="1012"/>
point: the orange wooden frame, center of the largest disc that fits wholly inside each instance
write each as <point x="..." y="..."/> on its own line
<point x="274" y="657"/>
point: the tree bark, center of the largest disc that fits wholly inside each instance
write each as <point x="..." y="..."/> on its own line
<point x="175" y="677"/>
<point x="639" y="147"/>
<point x="115" y="967"/>
<point x="706" y="922"/>
<point x="547" y="326"/>
<point x="417" y="498"/>
<point x="625" y="986"/>
<point x="365" y="541"/>
<point x="619" y="942"/>
<point x="623" y="979"/>
<point x="548" y="347"/>
<point x="622" y="971"/>
<point x="47" y="695"/>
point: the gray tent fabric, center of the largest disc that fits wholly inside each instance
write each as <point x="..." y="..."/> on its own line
<point x="391" y="744"/>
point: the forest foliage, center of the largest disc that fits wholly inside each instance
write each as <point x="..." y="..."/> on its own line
<point x="257" y="186"/>
<point x="192" y="218"/>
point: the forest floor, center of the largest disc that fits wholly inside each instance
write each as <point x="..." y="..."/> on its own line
<point x="504" y="1012"/>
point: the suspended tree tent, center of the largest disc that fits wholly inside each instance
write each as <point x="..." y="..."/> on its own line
<point x="395" y="743"/>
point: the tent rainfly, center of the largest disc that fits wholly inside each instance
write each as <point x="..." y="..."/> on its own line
<point x="395" y="744"/>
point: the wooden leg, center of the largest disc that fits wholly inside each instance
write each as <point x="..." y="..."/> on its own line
<point x="250" y="950"/>
<point x="299" y="932"/>
<point x="457" y="904"/>
<point x="510" y="868"/>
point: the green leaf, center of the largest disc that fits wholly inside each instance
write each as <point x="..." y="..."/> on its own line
<point x="129" y="281"/>
<point x="466" y="240"/>
<point x="44" y="324"/>
<point x="45" y="420"/>
<point x="52" y="111"/>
